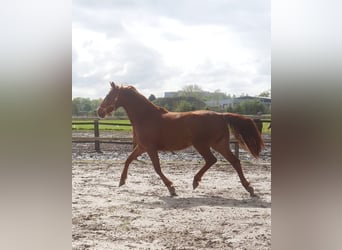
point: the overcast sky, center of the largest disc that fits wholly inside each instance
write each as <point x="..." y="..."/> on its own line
<point x="164" y="45"/>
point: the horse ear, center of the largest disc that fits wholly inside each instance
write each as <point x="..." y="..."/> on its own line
<point x="112" y="84"/>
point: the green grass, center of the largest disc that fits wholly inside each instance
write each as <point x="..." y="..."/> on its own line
<point x="265" y="129"/>
<point x="102" y="126"/>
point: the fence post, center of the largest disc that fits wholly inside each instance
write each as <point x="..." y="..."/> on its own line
<point x="97" y="134"/>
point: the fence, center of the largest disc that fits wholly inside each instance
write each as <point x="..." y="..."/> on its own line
<point x="126" y="140"/>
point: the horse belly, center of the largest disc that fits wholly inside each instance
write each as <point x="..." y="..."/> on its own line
<point x="174" y="141"/>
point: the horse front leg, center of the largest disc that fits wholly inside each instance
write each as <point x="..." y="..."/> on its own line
<point x="155" y="161"/>
<point x="136" y="152"/>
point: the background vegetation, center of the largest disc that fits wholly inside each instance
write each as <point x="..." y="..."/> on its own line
<point x="191" y="97"/>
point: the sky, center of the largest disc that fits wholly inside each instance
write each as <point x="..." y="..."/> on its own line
<point x="161" y="45"/>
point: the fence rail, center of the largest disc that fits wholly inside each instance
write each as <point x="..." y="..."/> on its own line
<point x="127" y="140"/>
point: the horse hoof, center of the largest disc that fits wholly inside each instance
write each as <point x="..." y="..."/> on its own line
<point x="195" y="185"/>
<point x="121" y="183"/>
<point x="254" y="195"/>
<point x="172" y="191"/>
<point x="251" y="192"/>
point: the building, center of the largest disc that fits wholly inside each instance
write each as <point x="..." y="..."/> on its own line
<point x="170" y="94"/>
<point x="224" y="103"/>
<point x="264" y="100"/>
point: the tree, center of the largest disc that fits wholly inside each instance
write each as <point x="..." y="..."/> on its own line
<point x="266" y="93"/>
<point x="95" y="103"/>
<point x="173" y="103"/>
<point x="184" y="106"/>
<point x="192" y="90"/>
<point x="152" y="97"/>
<point x="84" y="106"/>
<point x="250" y="107"/>
<point x="75" y="108"/>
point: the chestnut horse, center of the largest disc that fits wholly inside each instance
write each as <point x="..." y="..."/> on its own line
<point x="156" y="129"/>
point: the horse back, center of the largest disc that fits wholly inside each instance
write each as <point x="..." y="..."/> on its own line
<point x="186" y="128"/>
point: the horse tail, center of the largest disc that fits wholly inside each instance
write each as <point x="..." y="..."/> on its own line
<point x="246" y="132"/>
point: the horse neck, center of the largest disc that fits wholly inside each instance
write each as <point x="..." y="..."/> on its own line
<point x="138" y="108"/>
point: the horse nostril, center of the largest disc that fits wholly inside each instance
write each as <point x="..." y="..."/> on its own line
<point x="101" y="113"/>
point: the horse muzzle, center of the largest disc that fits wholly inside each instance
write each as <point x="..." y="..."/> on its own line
<point x="101" y="112"/>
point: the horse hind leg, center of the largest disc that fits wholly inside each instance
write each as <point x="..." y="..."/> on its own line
<point x="210" y="160"/>
<point x="156" y="164"/>
<point x="223" y="149"/>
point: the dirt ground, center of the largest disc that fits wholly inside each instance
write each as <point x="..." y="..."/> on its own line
<point x="219" y="214"/>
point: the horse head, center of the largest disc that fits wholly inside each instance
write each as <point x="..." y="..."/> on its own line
<point x="109" y="104"/>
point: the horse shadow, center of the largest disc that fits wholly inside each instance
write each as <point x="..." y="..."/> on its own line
<point x="214" y="201"/>
<point x="169" y="202"/>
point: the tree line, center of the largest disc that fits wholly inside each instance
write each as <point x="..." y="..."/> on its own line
<point x="85" y="106"/>
<point x="191" y="97"/>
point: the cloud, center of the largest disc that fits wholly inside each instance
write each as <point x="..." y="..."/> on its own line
<point x="161" y="45"/>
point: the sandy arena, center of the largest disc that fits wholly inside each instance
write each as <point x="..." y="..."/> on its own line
<point x="219" y="214"/>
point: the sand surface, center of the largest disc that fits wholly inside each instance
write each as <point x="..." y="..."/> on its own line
<point x="219" y="214"/>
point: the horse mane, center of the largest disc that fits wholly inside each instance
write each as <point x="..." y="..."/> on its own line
<point x="131" y="89"/>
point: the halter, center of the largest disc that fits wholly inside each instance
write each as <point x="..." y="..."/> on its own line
<point x="113" y="106"/>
